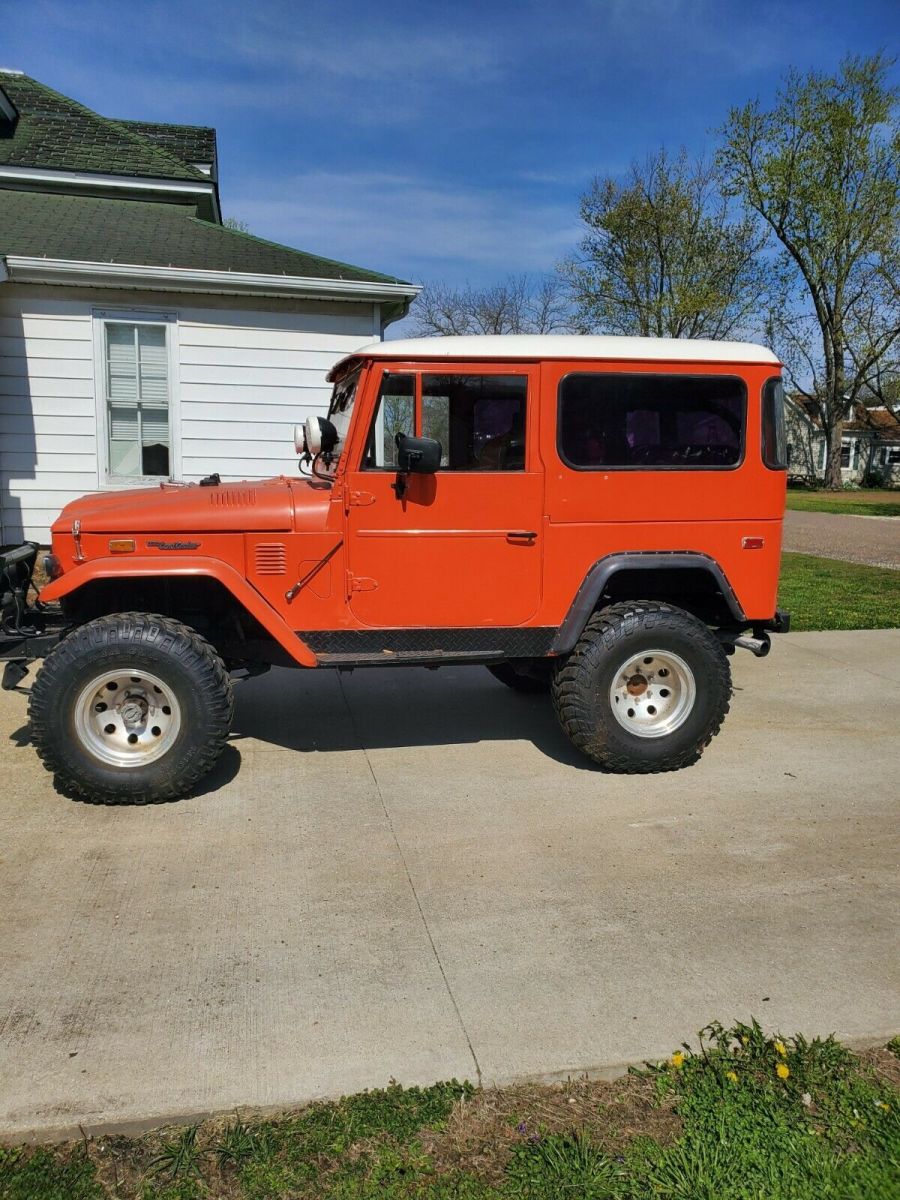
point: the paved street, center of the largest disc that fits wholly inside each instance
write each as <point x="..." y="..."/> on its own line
<point x="410" y="874"/>
<point x="872" y="540"/>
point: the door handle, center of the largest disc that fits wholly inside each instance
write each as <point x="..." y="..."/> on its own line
<point x="521" y="535"/>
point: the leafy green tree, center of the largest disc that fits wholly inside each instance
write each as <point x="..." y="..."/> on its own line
<point x="663" y="256"/>
<point x="822" y="170"/>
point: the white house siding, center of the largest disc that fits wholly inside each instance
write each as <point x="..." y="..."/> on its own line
<point x="245" y="376"/>
<point x="48" y="435"/>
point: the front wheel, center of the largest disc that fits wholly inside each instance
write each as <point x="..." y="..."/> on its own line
<point x="645" y="689"/>
<point x="131" y="709"/>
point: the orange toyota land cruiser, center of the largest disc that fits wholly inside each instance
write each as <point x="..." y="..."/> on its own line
<point x="596" y="517"/>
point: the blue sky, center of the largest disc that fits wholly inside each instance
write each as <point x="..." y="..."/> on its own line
<point x="434" y="141"/>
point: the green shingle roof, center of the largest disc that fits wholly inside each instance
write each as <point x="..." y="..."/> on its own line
<point x="53" y="132"/>
<point x="190" y="143"/>
<point x="89" y="229"/>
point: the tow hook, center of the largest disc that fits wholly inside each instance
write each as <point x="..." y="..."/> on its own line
<point x="14" y="672"/>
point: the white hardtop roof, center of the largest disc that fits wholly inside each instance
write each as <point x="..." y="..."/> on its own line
<point x="565" y="346"/>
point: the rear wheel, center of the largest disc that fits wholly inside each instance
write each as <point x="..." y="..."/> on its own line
<point x="131" y="709"/>
<point x="645" y="689"/>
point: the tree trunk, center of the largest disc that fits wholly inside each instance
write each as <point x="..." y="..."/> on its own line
<point x="833" y="478"/>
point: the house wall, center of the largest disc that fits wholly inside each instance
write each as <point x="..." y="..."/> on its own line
<point x="244" y="376"/>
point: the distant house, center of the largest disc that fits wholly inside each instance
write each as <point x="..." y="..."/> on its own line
<point x="870" y="446"/>
<point x="140" y="339"/>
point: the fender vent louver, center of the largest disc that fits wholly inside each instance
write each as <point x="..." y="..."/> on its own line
<point x="229" y="496"/>
<point x="271" y="558"/>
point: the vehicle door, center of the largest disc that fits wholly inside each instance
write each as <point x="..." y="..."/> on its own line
<point x="460" y="547"/>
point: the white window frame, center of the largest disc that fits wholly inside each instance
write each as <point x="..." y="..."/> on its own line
<point x="134" y="316"/>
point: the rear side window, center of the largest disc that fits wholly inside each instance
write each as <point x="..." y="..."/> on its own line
<point x="774" y="450"/>
<point x="685" y="422"/>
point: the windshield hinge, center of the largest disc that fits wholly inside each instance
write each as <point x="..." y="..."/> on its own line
<point x="359" y="583"/>
<point x="361" y="498"/>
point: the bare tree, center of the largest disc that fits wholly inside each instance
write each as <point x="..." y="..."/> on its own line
<point x="522" y="304"/>
<point x="663" y="255"/>
<point x="822" y="169"/>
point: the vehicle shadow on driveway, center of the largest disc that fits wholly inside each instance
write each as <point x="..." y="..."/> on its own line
<point x="374" y="708"/>
<point x="379" y="708"/>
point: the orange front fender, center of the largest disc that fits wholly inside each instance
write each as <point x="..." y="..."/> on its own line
<point x="139" y="567"/>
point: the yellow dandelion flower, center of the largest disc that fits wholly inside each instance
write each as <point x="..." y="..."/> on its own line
<point x="677" y="1060"/>
<point x="744" y="1040"/>
<point x="779" y="1047"/>
<point x="732" y="1075"/>
<point x="782" y="1070"/>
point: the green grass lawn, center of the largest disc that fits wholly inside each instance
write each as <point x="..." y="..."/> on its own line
<point x="823" y="593"/>
<point x="863" y="503"/>
<point x="743" y="1117"/>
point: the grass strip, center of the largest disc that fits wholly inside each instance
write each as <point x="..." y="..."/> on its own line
<point x="825" y="593"/>
<point x="737" y="1116"/>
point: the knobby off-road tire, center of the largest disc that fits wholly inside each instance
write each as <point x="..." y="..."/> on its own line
<point x="645" y="689"/>
<point x="514" y="679"/>
<point x="131" y="709"/>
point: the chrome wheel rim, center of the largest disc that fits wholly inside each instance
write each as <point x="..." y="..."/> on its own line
<point x="652" y="693"/>
<point x="127" y="717"/>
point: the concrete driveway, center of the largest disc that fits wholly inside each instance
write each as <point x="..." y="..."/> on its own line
<point x="410" y="874"/>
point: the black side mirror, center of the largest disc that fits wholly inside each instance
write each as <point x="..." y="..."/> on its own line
<point x="418" y="456"/>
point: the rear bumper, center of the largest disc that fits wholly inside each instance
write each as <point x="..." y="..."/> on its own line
<point x="780" y="623"/>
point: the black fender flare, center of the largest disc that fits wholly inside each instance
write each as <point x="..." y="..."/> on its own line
<point x="594" y="583"/>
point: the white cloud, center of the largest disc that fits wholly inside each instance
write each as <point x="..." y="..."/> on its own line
<point x="395" y="56"/>
<point x="415" y="227"/>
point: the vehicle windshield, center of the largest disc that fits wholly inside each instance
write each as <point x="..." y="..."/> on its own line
<point x="340" y="410"/>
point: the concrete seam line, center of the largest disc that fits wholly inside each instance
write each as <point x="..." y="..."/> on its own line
<point x="409" y="879"/>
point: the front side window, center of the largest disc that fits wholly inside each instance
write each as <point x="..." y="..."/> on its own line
<point x="478" y="419"/>
<point x="691" y="422"/>
<point x="395" y="413"/>
<point x="137" y="397"/>
<point x="774" y="453"/>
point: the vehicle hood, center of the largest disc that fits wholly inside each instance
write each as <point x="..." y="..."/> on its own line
<point x="263" y="504"/>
